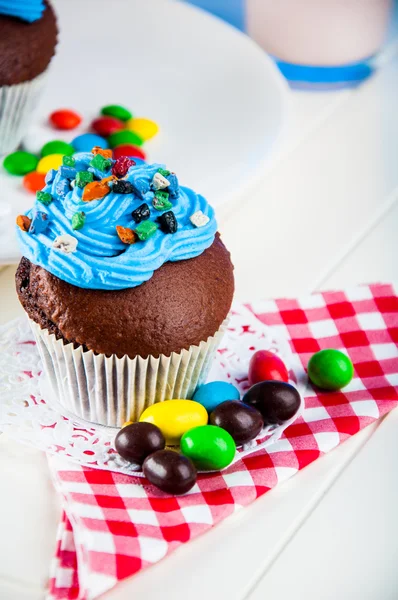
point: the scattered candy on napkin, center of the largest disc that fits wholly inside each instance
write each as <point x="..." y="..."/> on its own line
<point x="114" y="526"/>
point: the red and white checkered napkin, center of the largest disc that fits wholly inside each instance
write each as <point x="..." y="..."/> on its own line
<point x="114" y="525"/>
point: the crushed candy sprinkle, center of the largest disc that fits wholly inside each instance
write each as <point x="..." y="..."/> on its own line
<point x="106" y="153"/>
<point x="199" y="219"/>
<point x="100" y="163"/>
<point x="145" y="230"/>
<point x="127" y="235"/>
<point x="78" y="220"/>
<point x="40" y="222"/>
<point x="168" y="222"/>
<point x="159" y="182"/>
<point x="65" y="243"/>
<point x="95" y="190"/>
<point x="161" y="201"/>
<point x="23" y="222"/>
<point x="141" y="213"/>
<point x="44" y="197"/>
<point x="83" y="178"/>
<point x="68" y="161"/>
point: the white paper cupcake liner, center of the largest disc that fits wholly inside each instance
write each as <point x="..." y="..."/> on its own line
<point x="112" y="390"/>
<point x="17" y="102"/>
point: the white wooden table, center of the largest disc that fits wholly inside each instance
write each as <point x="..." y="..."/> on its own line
<point x="324" y="216"/>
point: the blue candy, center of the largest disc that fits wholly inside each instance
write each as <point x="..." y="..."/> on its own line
<point x="39" y="222"/>
<point x="87" y="141"/>
<point x="212" y="394"/>
<point x="50" y="176"/>
<point x="173" y="188"/>
<point x="68" y="172"/>
<point x="141" y="187"/>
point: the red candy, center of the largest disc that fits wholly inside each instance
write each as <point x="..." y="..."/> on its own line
<point x="65" y="119"/>
<point x="122" y="165"/>
<point x="128" y="150"/>
<point x="266" y="366"/>
<point x="34" y="181"/>
<point x="105" y="126"/>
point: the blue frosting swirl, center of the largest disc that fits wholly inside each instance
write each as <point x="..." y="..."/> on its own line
<point x="102" y="260"/>
<point x="27" y="10"/>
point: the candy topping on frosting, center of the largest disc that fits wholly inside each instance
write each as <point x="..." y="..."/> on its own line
<point x="121" y="216"/>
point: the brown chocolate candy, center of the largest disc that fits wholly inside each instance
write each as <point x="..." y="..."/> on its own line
<point x="242" y="421"/>
<point x="170" y="472"/>
<point x="277" y="401"/>
<point x="137" y="441"/>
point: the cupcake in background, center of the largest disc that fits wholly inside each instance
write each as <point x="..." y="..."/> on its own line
<point x="28" y="36"/>
<point x="127" y="285"/>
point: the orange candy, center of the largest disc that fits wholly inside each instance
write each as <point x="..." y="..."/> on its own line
<point x="34" y="181"/>
<point x="23" y="222"/>
<point x="102" y="151"/>
<point x="95" y="191"/>
<point x="128" y="236"/>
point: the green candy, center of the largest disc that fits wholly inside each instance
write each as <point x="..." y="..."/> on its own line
<point x="330" y="369"/>
<point x="164" y="172"/>
<point x="209" y="447"/>
<point x="44" y="198"/>
<point x="68" y="161"/>
<point x="145" y="230"/>
<point x="83" y="178"/>
<point x="124" y="137"/>
<point x="100" y="162"/>
<point x="20" y="163"/>
<point x="117" y="111"/>
<point x="57" y="147"/>
<point x="78" y="220"/>
<point x="161" y="201"/>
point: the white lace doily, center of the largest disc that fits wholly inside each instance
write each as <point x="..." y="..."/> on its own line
<point x="26" y="416"/>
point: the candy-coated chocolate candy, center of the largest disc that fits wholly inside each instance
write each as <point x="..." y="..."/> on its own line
<point x="126" y="235"/>
<point x="44" y="197"/>
<point x="330" y="369"/>
<point x="168" y="222"/>
<point x="83" y="178"/>
<point x="170" y="472"/>
<point x="141" y="213"/>
<point x="199" y="219"/>
<point x="23" y="222"/>
<point x="40" y="222"/>
<point x="124" y="137"/>
<point x="116" y="111"/>
<point x="34" y="181"/>
<point x="20" y="163"/>
<point x="78" y="220"/>
<point x="51" y="161"/>
<point x="277" y="401"/>
<point x="86" y="142"/>
<point x="128" y="150"/>
<point x="105" y="126"/>
<point x="161" y="201"/>
<point x="266" y="366"/>
<point x="123" y="187"/>
<point x="100" y="163"/>
<point x="65" y="119"/>
<point x="175" y="417"/>
<point x="95" y="191"/>
<point x="212" y="394"/>
<point x="106" y="153"/>
<point x="65" y="243"/>
<point x="122" y="165"/>
<point x="138" y="440"/>
<point x="57" y="147"/>
<point x="241" y="420"/>
<point x="145" y="230"/>
<point x="209" y="447"/>
<point x="145" y="128"/>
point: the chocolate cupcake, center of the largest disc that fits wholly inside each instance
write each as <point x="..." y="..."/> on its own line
<point x="127" y="285"/>
<point x="28" y="36"/>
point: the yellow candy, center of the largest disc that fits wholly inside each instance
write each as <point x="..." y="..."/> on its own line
<point x="51" y="161"/>
<point x="175" y="417"/>
<point x="145" y="128"/>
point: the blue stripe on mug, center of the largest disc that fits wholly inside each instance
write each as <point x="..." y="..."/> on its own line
<point x="328" y="77"/>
